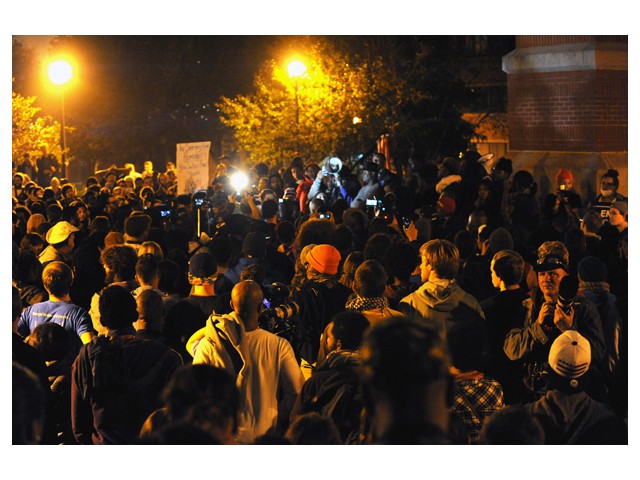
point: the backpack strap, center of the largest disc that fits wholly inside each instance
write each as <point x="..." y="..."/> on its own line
<point x="236" y="359"/>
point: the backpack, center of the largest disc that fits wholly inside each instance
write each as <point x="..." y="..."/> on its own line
<point x="344" y="409"/>
<point x="339" y="400"/>
<point x="310" y="323"/>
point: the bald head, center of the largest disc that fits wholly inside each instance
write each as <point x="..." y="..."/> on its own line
<point x="246" y="298"/>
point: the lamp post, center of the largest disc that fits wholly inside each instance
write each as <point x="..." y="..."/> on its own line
<point x="296" y="69"/>
<point x="60" y="73"/>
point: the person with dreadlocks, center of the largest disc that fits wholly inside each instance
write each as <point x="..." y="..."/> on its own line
<point x="300" y="275"/>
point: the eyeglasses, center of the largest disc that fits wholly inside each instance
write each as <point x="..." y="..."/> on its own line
<point x="607" y="184"/>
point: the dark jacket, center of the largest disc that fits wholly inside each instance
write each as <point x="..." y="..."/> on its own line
<point x="318" y="303"/>
<point x="504" y="312"/>
<point x="59" y="408"/>
<point x="531" y="343"/>
<point x="605" y="302"/>
<point x="577" y="419"/>
<point x="116" y="383"/>
<point x="334" y="391"/>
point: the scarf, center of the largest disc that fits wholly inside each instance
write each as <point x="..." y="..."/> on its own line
<point x="594" y="286"/>
<point x="358" y="304"/>
<point x="318" y="277"/>
<point x="210" y="280"/>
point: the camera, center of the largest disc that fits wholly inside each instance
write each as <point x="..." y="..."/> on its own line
<point x="281" y="313"/>
<point x="567" y="292"/>
<point x="385" y="213"/>
<point x="279" y="320"/>
<point x="325" y="215"/>
<point x="372" y="202"/>
<point x="200" y="198"/>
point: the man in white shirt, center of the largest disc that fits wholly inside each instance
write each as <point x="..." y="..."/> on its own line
<point x="264" y="365"/>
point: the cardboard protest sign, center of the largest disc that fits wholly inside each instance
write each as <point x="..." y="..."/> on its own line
<point x="192" y="166"/>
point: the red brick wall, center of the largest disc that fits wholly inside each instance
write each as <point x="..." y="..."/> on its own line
<point x="525" y="41"/>
<point x="576" y="111"/>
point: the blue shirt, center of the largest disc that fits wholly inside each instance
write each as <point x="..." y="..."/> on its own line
<point x="74" y="319"/>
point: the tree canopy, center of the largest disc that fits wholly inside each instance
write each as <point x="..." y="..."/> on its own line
<point x="30" y="129"/>
<point x="390" y="84"/>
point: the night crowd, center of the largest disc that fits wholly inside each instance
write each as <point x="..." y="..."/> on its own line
<point x="323" y="303"/>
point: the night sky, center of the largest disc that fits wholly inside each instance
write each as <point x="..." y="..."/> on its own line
<point x="136" y="75"/>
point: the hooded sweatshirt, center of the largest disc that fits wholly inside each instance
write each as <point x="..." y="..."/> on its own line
<point x="263" y="364"/>
<point x="443" y="302"/>
<point x="577" y="418"/>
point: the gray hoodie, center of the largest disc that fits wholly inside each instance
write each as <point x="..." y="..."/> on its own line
<point x="442" y="302"/>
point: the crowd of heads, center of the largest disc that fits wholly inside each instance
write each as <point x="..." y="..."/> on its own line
<point x="127" y="246"/>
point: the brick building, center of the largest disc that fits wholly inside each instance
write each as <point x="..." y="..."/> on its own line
<point x="568" y="107"/>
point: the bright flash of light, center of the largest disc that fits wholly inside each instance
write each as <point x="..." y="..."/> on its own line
<point x="296" y="68"/>
<point x="357" y="120"/>
<point x="60" y="72"/>
<point x="239" y="181"/>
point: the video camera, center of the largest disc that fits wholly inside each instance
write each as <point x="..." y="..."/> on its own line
<point x="200" y="198"/>
<point x="281" y="313"/>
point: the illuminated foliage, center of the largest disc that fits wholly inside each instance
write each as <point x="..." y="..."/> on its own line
<point x="333" y="90"/>
<point x="30" y="130"/>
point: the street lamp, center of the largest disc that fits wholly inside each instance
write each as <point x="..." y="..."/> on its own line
<point x="296" y="69"/>
<point x="60" y="72"/>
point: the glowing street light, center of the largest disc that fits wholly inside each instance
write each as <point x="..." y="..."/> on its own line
<point x="60" y="72"/>
<point x="296" y="69"/>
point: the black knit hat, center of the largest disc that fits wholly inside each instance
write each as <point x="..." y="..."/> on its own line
<point x="500" y="239"/>
<point x="370" y="166"/>
<point x="592" y="269"/>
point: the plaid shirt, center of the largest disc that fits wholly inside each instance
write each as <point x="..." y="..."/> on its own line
<point x="484" y="395"/>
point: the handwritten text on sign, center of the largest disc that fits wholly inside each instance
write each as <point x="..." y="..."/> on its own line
<point x="192" y="165"/>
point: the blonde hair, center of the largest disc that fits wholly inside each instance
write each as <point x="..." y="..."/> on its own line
<point x="554" y="248"/>
<point x="443" y="257"/>
<point x="151" y="247"/>
<point x="34" y="222"/>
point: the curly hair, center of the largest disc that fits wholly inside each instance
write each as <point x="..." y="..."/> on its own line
<point x="554" y="248"/>
<point x="121" y="260"/>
